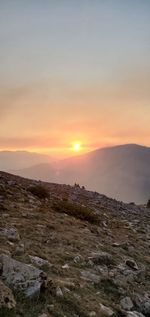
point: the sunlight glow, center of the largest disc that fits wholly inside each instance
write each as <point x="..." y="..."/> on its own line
<point x="76" y="147"/>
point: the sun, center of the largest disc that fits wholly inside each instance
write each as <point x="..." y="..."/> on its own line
<point x="76" y="147"/>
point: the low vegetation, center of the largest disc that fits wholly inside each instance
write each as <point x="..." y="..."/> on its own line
<point x="77" y="211"/>
<point x="39" y="191"/>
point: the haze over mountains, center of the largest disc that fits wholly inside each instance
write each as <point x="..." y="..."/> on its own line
<point x="14" y="160"/>
<point x="121" y="172"/>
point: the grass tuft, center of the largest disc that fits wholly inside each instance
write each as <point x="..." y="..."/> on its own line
<point x="77" y="211"/>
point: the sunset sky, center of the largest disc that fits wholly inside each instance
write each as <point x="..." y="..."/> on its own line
<point x="74" y="71"/>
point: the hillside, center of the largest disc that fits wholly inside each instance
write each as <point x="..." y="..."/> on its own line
<point x="66" y="251"/>
<point x="121" y="172"/>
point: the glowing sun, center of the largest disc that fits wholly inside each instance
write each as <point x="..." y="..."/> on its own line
<point x="76" y="147"/>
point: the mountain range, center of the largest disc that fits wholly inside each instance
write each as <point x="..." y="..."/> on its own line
<point x="14" y="160"/>
<point x="121" y="172"/>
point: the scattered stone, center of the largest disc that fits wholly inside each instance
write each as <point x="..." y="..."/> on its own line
<point x="89" y="276"/>
<point x="134" y="314"/>
<point x="39" y="261"/>
<point x="77" y="259"/>
<point x="59" y="292"/>
<point x="132" y="264"/>
<point x="106" y="311"/>
<point x="65" y="266"/>
<point x="142" y="303"/>
<point x="11" y="233"/>
<point x="126" y="303"/>
<point x="10" y="243"/>
<point x="92" y="314"/>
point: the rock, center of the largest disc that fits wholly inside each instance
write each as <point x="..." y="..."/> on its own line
<point x="66" y="290"/>
<point x="21" y="276"/>
<point x="65" y="266"/>
<point x="128" y="275"/>
<point x="39" y="261"/>
<point x="11" y="233"/>
<point x="106" y="311"/>
<point x="126" y="303"/>
<point x="59" y="292"/>
<point x="104" y="272"/>
<point x="89" y="276"/>
<point x="6" y="297"/>
<point x="134" y="314"/>
<point x="142" y="303"/>
<point x="43" y="315"/>
<point x="92" y="314"/>
<point x="132" y="264"/>
<point x="10" y="243"/>
<point x="101" y="258"/>
<point x="77" y="259"/>
<point x="123" y="245"/>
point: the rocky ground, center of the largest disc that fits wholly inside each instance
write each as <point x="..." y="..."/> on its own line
<point x="65" y="251"/>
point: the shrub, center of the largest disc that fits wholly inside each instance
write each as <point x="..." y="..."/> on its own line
<point x="109" y="287"/>
<point x="77" y="211"/>
<point x="39" y="191"/>
<point x="5" y="312"/>
<point x="148" y="204"/>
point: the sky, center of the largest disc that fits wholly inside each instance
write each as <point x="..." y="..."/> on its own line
<point x="74" y="71"/>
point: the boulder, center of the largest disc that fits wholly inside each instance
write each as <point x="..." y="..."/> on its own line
<point x="21" y="276"/>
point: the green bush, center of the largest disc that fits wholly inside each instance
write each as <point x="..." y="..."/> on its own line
<point x="5" y="312"/>
<point x="77" y="211"/>
<point x="39" y="191"/>
<point x="109" y="287"/>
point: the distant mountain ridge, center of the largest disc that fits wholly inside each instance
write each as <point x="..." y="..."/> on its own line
<point x="121" y="172"/>
<point x="14" y="160"/>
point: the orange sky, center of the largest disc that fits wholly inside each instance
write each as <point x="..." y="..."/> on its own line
<point x="80" y="73"/>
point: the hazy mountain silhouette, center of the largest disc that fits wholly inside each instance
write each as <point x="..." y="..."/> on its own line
<point x="121" y="172"/>
<point x="14" y="160"/>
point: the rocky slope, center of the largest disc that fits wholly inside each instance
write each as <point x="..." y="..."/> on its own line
<point x="65" y="251"/>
